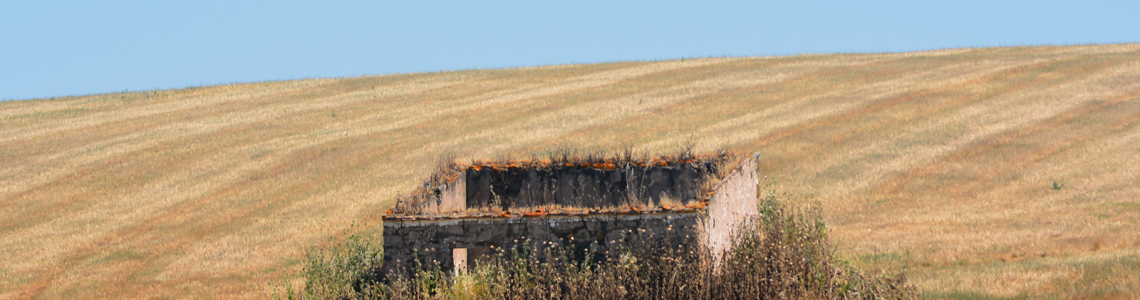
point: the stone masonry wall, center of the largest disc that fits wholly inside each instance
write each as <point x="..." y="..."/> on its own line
<point x="584" y="187"/>
<point x="432" y="241"/>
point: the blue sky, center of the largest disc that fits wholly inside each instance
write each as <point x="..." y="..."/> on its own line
<point x="61" y="48"/>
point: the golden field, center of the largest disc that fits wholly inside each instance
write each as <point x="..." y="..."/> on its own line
<point x="989" y="172"/>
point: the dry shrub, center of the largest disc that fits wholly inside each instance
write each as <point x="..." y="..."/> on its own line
<point x="782" y="255"/>
<point x="350" y="269"/>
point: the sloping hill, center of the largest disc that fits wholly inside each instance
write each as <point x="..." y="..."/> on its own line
<point x="1000" y="171"/>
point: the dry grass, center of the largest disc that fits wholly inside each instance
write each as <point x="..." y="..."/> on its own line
<point x="939" y="161"/>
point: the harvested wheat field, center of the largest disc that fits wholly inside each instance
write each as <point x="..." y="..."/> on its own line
<point x="981" y="172"/>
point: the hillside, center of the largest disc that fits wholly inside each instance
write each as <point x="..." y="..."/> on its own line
<point x="999" y="171"/>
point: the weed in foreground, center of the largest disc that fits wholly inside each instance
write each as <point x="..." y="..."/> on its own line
<point x="348" y="270"/>
<point x="782" y="255"/>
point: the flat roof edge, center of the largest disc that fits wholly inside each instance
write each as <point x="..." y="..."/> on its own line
<point x="548" y="218"/>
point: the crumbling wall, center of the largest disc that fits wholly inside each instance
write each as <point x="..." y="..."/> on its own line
<point x="733" y="204"/>
<point x="433" y="241"/>
<point x="585" y="187"/>
<point x="449" y="197"/>
<point x="467" y="209"/>
<point x="488" y="189"/>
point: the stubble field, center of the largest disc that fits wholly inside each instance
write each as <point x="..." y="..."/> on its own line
<point x="997" y="172"/>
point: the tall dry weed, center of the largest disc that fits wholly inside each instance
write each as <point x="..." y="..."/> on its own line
<point x="784" y="254"/>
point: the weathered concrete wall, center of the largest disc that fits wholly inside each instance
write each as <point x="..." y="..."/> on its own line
<point x="432" y="241"/>
<point x="451" y="198"/>
<point x="454" y="197"/>
<point x="733" y="204"/>
<point x="585" y="187"/>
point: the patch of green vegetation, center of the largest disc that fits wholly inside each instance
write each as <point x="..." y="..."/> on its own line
<point x="246" y="201"/>
<point x="285" y="263"/>
<point x="1132" y="206"/>
<point x="52" y="114"/>
<point x="1114" y="209"/>
<point x="7" y="276"/>
<point x="884" y="258"/>
<point x="1103" y="279"/>
<point x="121" y="255"/>
<point x="293" y="262"/>
<point x="842" y="171"/>
<point x="876" y="202"/>
<point x="351" y="269"/>
<point x="1111" y="278"/>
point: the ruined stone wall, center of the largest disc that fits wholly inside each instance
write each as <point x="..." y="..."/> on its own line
<point x="733" y="204"/>
<point x="451" y="197"/>
<point x="433" y="241"/>
<point x="585" y="187"/>
<point x="446" y="221"/>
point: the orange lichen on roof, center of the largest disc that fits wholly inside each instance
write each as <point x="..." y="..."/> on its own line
<point x="604" y="166"/>
<point x="536" y="213"/>
<point x="696" y="205"/>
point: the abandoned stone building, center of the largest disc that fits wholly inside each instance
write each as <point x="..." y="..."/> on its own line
<point x="464" y="212"/>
